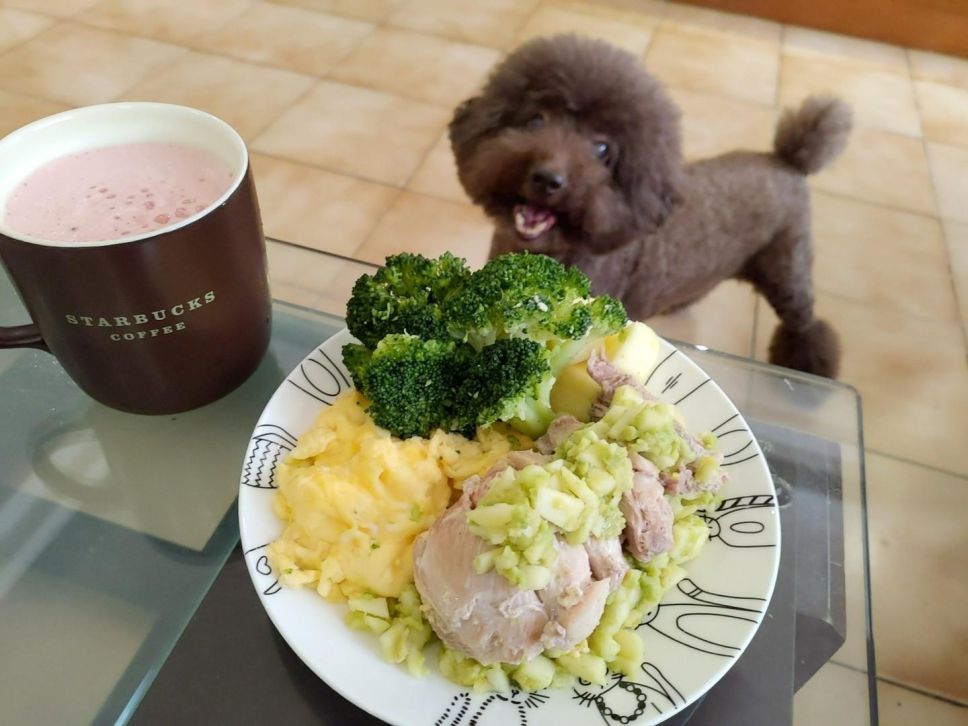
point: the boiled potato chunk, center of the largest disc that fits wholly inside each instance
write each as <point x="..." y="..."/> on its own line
<point x="634" y="351"/>
<point x="574" y="391"/>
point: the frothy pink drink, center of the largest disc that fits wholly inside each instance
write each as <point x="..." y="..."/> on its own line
<point x="116" y="191"/>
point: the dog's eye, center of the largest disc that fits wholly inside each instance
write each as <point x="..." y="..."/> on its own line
<point x="535" y="122"/>
<point x="601" y="149"/>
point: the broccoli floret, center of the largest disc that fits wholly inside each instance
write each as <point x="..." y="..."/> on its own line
<point x="510" y="380"/>
<point x="405" y="296"/>
<point x="410" y="383"/>
<point x="521" y="295"/>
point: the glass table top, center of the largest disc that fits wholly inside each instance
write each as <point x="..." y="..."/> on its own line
<point x="113" y="526"/>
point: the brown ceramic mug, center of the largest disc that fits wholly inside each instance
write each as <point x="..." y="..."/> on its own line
<point x="154" y="323"/>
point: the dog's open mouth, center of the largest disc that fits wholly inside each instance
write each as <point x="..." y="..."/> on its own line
<point x="531" y="222"/>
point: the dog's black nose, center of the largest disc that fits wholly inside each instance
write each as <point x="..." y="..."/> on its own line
<point x="547" y="181"/>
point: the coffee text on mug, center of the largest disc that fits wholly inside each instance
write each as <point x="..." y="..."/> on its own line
<point x="139" y="319"/>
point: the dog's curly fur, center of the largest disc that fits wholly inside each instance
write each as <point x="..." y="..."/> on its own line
<point x="576" y="128"/>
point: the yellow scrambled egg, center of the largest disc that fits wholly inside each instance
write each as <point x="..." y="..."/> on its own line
<point x="354" y="498"/>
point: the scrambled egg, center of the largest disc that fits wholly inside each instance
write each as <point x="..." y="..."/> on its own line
<point x="354" y="498"/>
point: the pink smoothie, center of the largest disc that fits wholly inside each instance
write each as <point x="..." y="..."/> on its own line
<point x="116" y="191"/>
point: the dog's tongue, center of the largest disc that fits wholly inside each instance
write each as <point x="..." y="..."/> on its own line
<point x="531" y="222"/>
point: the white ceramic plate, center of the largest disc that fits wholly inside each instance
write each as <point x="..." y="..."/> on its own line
<point x="691" y="639"/>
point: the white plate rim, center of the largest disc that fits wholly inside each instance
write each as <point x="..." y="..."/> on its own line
<point x="301" y="384"/>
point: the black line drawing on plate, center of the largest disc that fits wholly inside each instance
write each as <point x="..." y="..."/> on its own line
<point x="726" y="421"/>
<point x="625" y="701"/>
<point x="320" y="377"/>
<point x="693" y="391"/>
<point x="700" y="619"/>
<point x="268" y="445"/>
<point x="671" y="382"/>
<point x="496" y="709"/>
<point x="734" y="522"/>
<point x="661" y="362"/>
<point x="739" y="449"/>
<point x="263" y="567"/>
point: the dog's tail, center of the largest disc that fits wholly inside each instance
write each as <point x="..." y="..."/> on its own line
<point x="813" y="135"/>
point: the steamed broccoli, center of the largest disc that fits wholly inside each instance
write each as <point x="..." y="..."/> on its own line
<point x="410" y="383"/>
<point x="509" y="380"/>
<point x="405" y="296"/>
<point x="530" y="296"/>
<point x="444" y="347"/>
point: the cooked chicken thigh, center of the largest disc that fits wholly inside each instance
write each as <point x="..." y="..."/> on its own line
<point x="648" y="515"/>
<point x="487" y="617"/>
<point x="606" y="560"/>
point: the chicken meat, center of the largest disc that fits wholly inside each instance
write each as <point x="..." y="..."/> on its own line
<point x="484" y="615"/>
<point x="648" y="515"/>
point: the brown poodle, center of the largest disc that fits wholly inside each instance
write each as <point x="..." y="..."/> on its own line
<point x="573" y="150"/>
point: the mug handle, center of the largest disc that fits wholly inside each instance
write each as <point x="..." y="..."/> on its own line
<point x="22" y="336"/>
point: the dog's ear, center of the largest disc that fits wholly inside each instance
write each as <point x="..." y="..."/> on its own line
<point x="474" y="119"/>
<point x="649" y="167"/>
<point x="649" y="175"/>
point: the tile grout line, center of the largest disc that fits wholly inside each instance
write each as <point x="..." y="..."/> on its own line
<point x="923" y="692"/>
<point x="55" y="22"/>
<point x="901" y="684"/>
<point x="934" y="192"/>
<point x="912" y="462"/>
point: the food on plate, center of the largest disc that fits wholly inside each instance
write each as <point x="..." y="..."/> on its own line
<point x="503" y="482"/>
<point x="504" y="332"/>
<point x="353" y="499"/>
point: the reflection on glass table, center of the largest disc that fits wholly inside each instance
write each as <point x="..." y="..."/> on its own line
<point x="114" y="526"/>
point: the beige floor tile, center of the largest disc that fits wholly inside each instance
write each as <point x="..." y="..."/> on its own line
<point x="723" y="320"/>
<point x="713" y="125"/>
<point x="246" y="96"/>
<point x="102" y="64"/>
<point x="178" y="22"/>
<point x="494" y="23"/>
<point x="700" y="61"/>
<point x="318" y="208"/>
<point x="884" y="257"/>
<point x="944" y="112"/>
<point x="939" y="68"/>
<point x="297" y="275"/>
<point x="879" y="98"/>
<point x="430" y="226"/>
<point x="956" y="236"/>
<point x="374" y="11"/>
<point x="414" y="65"/>
<point x="554" y="21"/>
<point x="910" y="373"/>
<point x="714" y="22"/>
<point x="437" y="175"/>
<point x="356" y="131"/>
<point x="17" y="111"/>
<point x="835" y="696"/>
<point x="810" y="43"/>
<point x="917" y="549"/>
<point x="292" y="38"/>
<point x="646" y="13"/>
<point x="903" y="707"/>
<point x="884" y="168"/>
<point x="57" y="8"/>
<point x="336" y="293"/>
<point x="949" y="169"/>
<point x="17" y="26"/>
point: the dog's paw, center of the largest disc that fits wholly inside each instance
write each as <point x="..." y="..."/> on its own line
<point x="813" y="349"/>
